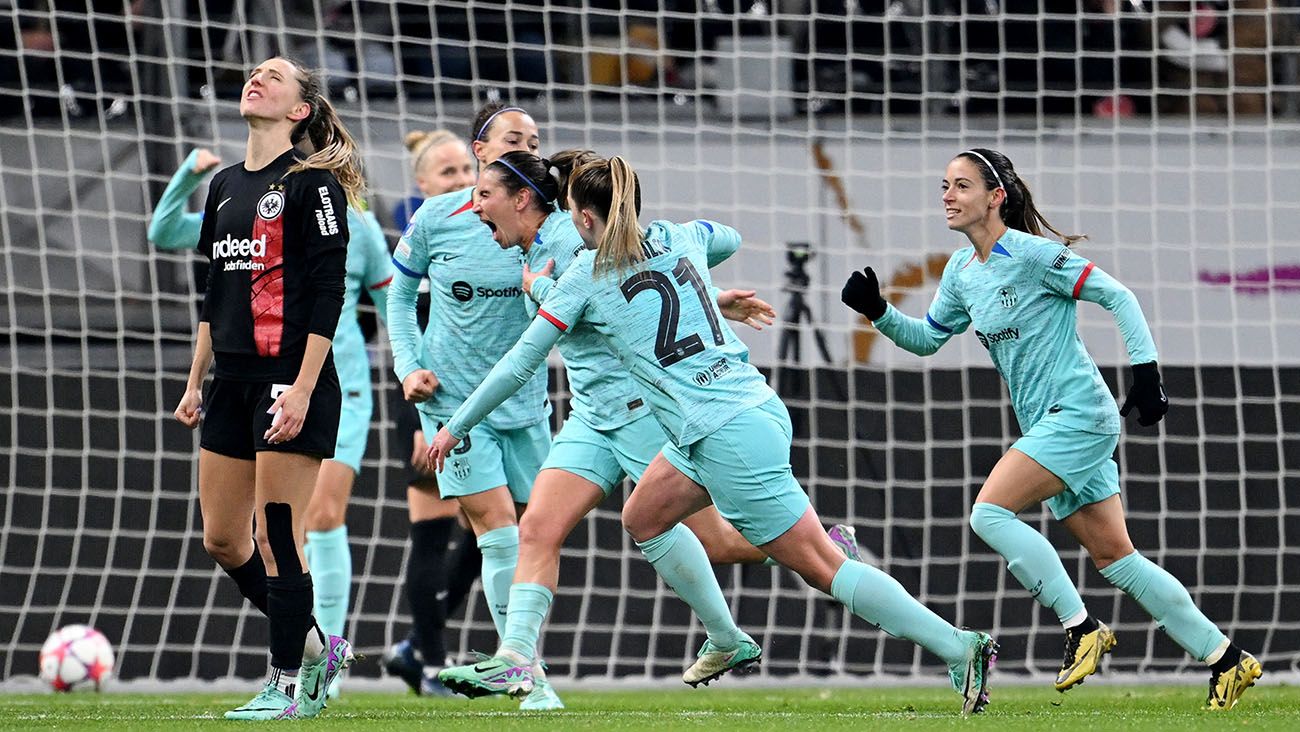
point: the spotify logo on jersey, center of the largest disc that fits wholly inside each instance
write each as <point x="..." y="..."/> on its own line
<point x="462" y="291"/>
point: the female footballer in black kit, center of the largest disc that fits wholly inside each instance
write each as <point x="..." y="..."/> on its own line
<point x="275" y="229"/>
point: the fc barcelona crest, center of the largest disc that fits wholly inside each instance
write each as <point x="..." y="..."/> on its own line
<point x="460" y="468"/>
<point x="1007" y="294"/>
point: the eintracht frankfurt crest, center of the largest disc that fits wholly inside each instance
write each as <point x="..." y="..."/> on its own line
<point x="270" y="205"/>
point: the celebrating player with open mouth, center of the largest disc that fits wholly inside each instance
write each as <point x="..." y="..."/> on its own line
<point x="476" y="310"/>
<point x="1019" y="290"/>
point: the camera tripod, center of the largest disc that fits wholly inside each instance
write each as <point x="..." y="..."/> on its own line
<point x="797" y="311"/>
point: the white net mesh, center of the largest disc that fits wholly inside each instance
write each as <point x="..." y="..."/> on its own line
<point x="820" y="129"/>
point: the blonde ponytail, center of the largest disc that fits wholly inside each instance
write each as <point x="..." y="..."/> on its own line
<point x="620" y="247"/>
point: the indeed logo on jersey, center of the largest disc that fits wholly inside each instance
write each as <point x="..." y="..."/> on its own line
<point x="325" y="218"/>
<point x="464" y="291"/>
<point x="243" y="253"/>
<point x="988" y="340"/>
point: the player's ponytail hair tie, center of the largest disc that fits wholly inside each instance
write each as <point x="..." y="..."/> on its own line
<point x="992" y="169"/>
<point x="542" y="196"/>
<point x="495" y="114"/>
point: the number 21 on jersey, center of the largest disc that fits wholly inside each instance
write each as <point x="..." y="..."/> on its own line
<point x="669" y="349"/>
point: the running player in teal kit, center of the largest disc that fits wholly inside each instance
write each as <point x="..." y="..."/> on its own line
<point x="1019" y="291"/>
<point x="647" y="293"/>
<point x="476" y="312"/>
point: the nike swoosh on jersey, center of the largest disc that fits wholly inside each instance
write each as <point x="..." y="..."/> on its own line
<point x="219" y="205"/>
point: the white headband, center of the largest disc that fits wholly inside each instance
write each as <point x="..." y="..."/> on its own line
<point x="488" y="123"/>
<point x="994" y="170"/>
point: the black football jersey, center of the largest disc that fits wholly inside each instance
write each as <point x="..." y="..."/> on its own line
<point x="278" y="249"/>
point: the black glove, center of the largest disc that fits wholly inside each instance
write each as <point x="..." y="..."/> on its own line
<point x="1147" y="394"/>
<point x="862" y="293"/>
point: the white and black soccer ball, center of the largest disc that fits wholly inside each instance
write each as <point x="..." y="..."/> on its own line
<point x="76" y="657"/>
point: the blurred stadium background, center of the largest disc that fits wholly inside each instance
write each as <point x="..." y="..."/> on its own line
<point x="1167" y="131"/>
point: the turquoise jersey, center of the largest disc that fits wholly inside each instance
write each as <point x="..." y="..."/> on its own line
<point x="662" y="321"/>
<point x="173" y="227"/>
<point x="369" y="269"/>
<point x="476" y="311"/>
<point x="1022" y="304"/>
<point x="604" y="394"/>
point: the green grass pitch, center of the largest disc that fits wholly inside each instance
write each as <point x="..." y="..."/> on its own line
<point x="1099" y="707"/>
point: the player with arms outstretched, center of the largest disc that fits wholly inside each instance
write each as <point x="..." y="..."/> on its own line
<point x="1020" y="290"/>
<point x="276" y="231"/>
<point x="647" y="293"/>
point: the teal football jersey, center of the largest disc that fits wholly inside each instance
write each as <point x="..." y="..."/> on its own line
<point x="605" y="395"/>
<point x="661" y="319"/>
<point x="477" y="309"/>
<point x="172" y="226"/>
<point x="1022" y="302"/>
<point x="369" y="268"/>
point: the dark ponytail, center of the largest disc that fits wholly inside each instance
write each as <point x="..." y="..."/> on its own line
<point x="562" y="166"/>
<point x="1018" y="210"/>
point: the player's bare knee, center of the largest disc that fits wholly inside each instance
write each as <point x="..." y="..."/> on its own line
<point x="277" y="540"/>
<point x="642" y="525"/>
<point x="818" y="575"/>
<point x="225" y="550"/>
<point x="729" y="548"/>
<point x="321" y="516"/>
<point x="717" y="552"/>
<point x="539" y="534"/>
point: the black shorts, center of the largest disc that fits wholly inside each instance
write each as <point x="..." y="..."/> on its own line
<point x="235" y="419"/>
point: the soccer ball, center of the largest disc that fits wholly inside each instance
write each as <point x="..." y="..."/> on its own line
<point x="76" y="657"/>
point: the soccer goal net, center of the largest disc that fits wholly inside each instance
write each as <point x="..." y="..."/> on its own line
<point x="1169" y="135"/>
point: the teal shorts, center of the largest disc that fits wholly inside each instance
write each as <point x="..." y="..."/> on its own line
<point x="1084" y="461"/>
<point x="354" y="427"/>
<point x="745" y="467"/>
<point x="604" y="457"/>
<point x="489" y="457"/>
